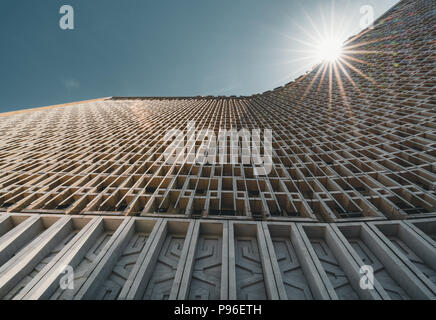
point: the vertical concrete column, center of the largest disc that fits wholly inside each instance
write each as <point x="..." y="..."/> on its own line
<point x="93" y="245"/>
<point x="248" y="251"/>
<point x="295" y="273"/>
<point x="106" y="281"/>
<point x="334" y="263"/>
<point x="206" y="271"/>
<point x="392" y="278"/>
<point x="416" y="253"/>
<point x="25" y="260"/>
<point x="159" y="274"/>
<point x="18" y="237"/>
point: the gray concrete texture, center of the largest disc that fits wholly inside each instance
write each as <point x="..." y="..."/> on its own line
<point x="154" y="258"/>
<point x="90" y="209"/>
<point x="353" y="141"/>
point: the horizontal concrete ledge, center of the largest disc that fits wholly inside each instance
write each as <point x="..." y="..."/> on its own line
<point x="184" y="98"/>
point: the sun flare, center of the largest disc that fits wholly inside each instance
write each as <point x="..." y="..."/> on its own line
<point x="329" y="50"/>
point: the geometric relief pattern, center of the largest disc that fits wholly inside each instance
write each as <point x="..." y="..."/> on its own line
<point x="353" y="140"/>
<point x="392" y="288"/>
<point x="249" y="273"/>
<point x="111" y="287"/>
<point x="421" y="265"/>
<point x="206" y="275"/>
<point x="296" y="285"/>
<point x="161" y="281"/>
<point x="82" y="268"/>
<point x="245" y="260"/>
<point x="46" y="260"/>
<point x="336" y="275"/>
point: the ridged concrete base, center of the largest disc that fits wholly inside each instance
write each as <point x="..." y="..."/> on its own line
<point x="146" y="258"/>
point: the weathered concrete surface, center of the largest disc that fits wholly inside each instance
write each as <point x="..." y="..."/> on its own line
<point x="359" y="149"/>
<point x="96" y="211"/>
<point x="145" y="258"/>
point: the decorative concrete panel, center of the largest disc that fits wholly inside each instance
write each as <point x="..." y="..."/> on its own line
<point x="208" y="274"/>
<point x="20" y="235"/>
<point x="145" y="258"/>
<point x="413" y="250"/>
<point x="98" y="212"/>
<point x="20" y="270"/>
<point x="392" y="278"/>
<point x="352" y="141"/>
<point x="82" y="256"/>
<point x="159" y="274"/>
<point x="246" y="262"/>
<point x="112" y="274"/>
<point x="337" y="268"/>
<point x="287" y="251"/>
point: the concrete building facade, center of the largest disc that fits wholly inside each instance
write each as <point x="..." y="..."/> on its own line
<point x="352" y="184"/>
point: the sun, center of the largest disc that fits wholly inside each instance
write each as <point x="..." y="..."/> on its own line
<point x="327" y="46"/>
<point x="329" y="50"/>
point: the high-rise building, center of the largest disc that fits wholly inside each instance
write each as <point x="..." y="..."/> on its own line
<point x="348" y="189"/>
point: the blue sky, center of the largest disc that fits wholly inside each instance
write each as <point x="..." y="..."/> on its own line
<point x="159" y="47"/>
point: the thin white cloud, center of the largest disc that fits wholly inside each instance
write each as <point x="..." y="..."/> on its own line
<point x="71" y="83"/>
